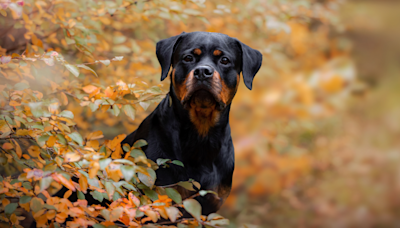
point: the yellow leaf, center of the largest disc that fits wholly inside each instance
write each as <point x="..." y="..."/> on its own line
<point x="34" y="151"/>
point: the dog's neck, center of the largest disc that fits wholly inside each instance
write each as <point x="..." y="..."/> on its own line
<point x="193" y="144"/>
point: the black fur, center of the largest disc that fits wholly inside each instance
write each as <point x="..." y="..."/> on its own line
<point x="169" y="130"/>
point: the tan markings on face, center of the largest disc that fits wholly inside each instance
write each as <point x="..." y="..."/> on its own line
<point x="203" y="114"/>
<point x="197" y="51"/>
<point x="217" y="52"/>
<point x="225" y="93"/>
<point x="182" y="89"/>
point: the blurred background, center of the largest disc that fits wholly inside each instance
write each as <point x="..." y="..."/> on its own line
<point x="317" y="140"/>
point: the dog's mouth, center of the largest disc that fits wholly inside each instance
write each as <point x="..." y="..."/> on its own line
<point x="203" y="99"/>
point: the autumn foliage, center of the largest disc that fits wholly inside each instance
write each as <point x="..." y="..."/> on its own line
<point x="77" y="76"/>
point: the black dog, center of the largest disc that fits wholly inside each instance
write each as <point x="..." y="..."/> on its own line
<point x="191" y="124"/>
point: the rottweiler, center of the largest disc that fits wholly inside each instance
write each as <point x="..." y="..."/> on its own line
<point x="191" y="124"/>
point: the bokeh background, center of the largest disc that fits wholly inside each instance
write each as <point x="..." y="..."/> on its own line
<point x="317" y="140"/>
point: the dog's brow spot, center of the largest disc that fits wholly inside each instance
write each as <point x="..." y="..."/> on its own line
<point x="217" y="52"/>
<point x="197" y="51"/>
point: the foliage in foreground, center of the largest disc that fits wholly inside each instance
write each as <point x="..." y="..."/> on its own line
<point x="39" y="137"/>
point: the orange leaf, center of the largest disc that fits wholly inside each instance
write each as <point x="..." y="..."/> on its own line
<point x="34" y="151"/>
<point x="51" y="141"/>
<point x="61" y="179"/>
<point x="95" y="166"/>
<point x="67" y="194"/>
<point x="89" y="88"/>
<point x="72" y="157"/>
<point x="14" y="103"/>
<point x="7" y="146"/>
<point x="64" y="99"/>
<point x="116" y="213"/>
<point x="83" y="183"/>
<point x="18" y="150"/>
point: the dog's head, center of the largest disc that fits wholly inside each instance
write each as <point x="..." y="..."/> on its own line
<point x="206" y="68"/>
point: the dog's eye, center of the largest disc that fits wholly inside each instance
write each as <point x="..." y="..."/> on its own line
<point x="188" y="58"/>
<point x="224" y="60"/>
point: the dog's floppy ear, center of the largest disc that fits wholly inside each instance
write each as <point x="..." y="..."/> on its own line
<point x="164" y="50"/>
<point x="251" y="63"/>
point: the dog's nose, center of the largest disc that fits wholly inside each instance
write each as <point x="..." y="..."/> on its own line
<point x="203" y="72"/>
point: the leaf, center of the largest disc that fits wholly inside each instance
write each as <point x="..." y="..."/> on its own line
<point x="97" y="195"/>
<point x="72" y="157"/>
<point x="73" y="69"/>
<point x="187" y="185"/>
<point x="87" y="68"/>
<point x="172" y="213"/>
<point x="129" y="111"/>
<point x="105" y="62"/>
<point x="137" y="153"/>
<point x="36" y="204"/>
<point x="10" y="208"/>
<point x="162" y="161"/>
<point x="118" y="58"/>
<point x="116" y="213"/>
<point x="193" y="207"/>
<point x="45" y="183"/>
<point x="174" y="195"/>
<point x="128" y="172"/>
<point x="67" y="114"/>
<point x="176" y="162"/>
<point x="110" y="188"/>
<point x="140" y="143"/>
<point x="24" y="199"/>
<point x="144" y="104"/>
<point x="81" y="196"/>
<point x="89" y="88"/>
<point x="151" y="194"/>
<point x="148" y="180"/>
<point x="76" y="137"/>
<point x="106" y="214"/>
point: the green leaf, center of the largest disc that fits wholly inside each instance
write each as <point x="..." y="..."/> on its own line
<point x="176" y="162"/>
<point x="119" y="39"/>
<point x="97" y="195"/>
<point x="21" y="86"/>
<point x="110" y="188"/>
<point x="36" y="109"/>
<point x="88" y="68"/>
<point x="98" y="225"/>
<point x="148" y="180"/>
<point x="130" y="111"/>
<point x="103" y="163"/>
<point x="67" y="114"/>
<point x="76" y="137"/>
<point x="151" y="194"/>
<point x="205" y="192"/>
<point x="73" y="69"/>
<point x="61" y="139"/>
<point x="45" y="183"/>
<point x="10" y="208"/>
<point x="187" y="185"/>
<point x="36" y="204"/>
<point x="25" y="199"/>
<point x="140" y="143"/>
<point x="144" y="104"/>
<point x="81" y="195"/>
<point x="128" y="172"/>
<point x="137" y="153"/>
<point x="193" y="207"/>
<point x="161" y="161"/>
<point x="106" y="214"/>
<point x="174" y="195"/>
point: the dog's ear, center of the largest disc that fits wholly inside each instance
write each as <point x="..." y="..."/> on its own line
<point x="164" y="50"/>
<point x="251" y="63"/>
